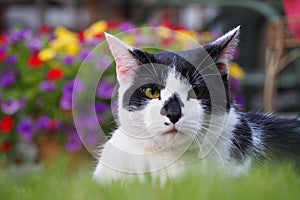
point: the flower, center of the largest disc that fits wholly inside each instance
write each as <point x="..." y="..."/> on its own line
<point x="129" y="39"/>
<point x="66" y="102"/>
<point x="101" y="107"/>
<point x="96" y="29"/>
<point x="34" y="61"/>
<point x="236" y="71"/>
<point x="2" y="54"/>
<point x="46" y="54"/>
<point x="84" y="54"/>
<point x="68" y="60"/>
<point x="55" y="74"/>
<point x="12" y="59"/>
<point x="105" y="90"/>
<point x="6" y="124"/>
<point x="8" y="78"/>
<point x="43" y="123"/>
<point x="3" y="39"/>
<point x="73" y="143"/>
<point x="34" y="45"/>
<point x="126" y="26"/>
<point x="44" y="29"/>
<point x="6" y="147"/>
<point x="26" y="130"/>
<point x="20" y="34"/>
<point x="11" y="106"/>
<point x="47" y="86"/>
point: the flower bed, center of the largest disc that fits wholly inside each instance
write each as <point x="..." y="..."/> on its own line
<point x="37" y="71"/>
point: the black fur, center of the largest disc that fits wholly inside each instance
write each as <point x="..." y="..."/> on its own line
<point x="279" y="137"/>
<point x="242" y="140"/>
<point x="154" y="69"/>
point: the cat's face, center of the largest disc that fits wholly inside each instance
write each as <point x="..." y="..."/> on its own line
<point x="165" y="98"/>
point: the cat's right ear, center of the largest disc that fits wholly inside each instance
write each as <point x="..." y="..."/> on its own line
<point x="125" y="62"/>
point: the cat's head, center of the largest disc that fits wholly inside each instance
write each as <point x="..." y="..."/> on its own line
<point x="168" y="97"/>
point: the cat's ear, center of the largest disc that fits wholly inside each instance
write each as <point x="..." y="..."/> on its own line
<point x="222" y="49"/>
<point x="125" y="62"/>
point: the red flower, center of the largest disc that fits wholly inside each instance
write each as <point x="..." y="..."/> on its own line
<point x="55" y="74"/>
<point x="168" y="24"/>
<point x="53" y="126"/>
<point x="112" y="25"/>
<point x="6" y="124"/>
<point x="34" y="62"/>
<point x="81" y="36"/>
<point x="2" y="55"/>
<point x="6" y="147"/>
<point x="45" y="29"/>
<point x="3" y="39"/>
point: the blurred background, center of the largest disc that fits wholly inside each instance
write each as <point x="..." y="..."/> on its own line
<point x="42" y="40"/>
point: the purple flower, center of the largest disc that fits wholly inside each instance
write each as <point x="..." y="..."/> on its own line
<point x="11" y="106"/>
<point x="240" y="99"/>
<point x="68" y="60"/>
<point x="73" y="143"/>
<point x="104" y="61"/>
<point x="12" y="59"/>
<point x="66" y="102"/>
<point x="105" y="90"/>
<point x="70" y="86"/>
<point x="43" y="123"/>
<point x="26" y="130"/>
<point x="235" y="84"/>
<point x="93" y="139"/>
<point x="126" y="26"/>
<point x="34" y="45"/>
<point x="8" y="78"/>
<point x="84" y="54"/>
<point x="21" y="34"/>
<point x="23" y="103"/>
<point x="47" y="86"/>
<point x="101" y="107"/>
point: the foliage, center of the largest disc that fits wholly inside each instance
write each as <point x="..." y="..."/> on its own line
<point x="58" y="182"/>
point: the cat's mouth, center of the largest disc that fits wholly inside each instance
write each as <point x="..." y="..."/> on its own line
<point x="172" y="131"/>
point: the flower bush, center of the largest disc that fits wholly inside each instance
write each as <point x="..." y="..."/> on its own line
<point x="37" y="71"/>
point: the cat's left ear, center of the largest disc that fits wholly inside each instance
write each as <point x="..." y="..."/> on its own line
<point x="222" y="49"/>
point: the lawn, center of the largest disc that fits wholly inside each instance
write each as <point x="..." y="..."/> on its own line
<point x="60" y="181"/>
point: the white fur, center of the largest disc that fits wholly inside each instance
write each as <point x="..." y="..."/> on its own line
<point x="141" y="145"/>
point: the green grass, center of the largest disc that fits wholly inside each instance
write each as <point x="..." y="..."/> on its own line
<point x="59" y="182"/>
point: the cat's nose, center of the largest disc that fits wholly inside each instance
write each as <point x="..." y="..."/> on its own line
<point x="174" y="117"/>
<point x="172" y="109"/>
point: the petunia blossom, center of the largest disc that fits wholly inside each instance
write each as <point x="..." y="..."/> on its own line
<point x="47" y="86"/>
<point x="73" y="142"/>
<point x="10" y="106"/>
<point x="26" y="129"/>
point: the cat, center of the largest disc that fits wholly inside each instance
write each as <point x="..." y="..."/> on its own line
<point x="175" y="109"/>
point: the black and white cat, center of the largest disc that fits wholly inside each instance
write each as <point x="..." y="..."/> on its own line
<point x="175" y="109"/>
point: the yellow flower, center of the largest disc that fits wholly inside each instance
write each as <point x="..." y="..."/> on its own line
<point x="236" y="71"/>
<point x="46" y="54"/>
<point x="164" y="33"/>
<point x="95" y="29"/>
<point x="129" y="39"/>
<point x="207" y="36"/>
<point x="72" y="49"/>
<point x="65" y="41"/>
<point x="185" y="33"/>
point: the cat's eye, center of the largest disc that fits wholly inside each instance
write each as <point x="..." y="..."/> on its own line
<point x="196" y="93"/>
<point x="152" y="93"/>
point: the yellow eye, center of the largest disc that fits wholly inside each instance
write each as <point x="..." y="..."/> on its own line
<point x="152" y="93"/>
